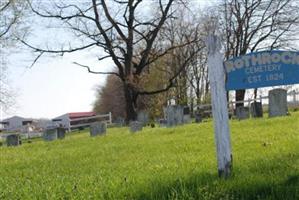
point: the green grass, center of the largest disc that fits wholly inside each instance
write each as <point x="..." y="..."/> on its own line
<point x="158" y="163"/>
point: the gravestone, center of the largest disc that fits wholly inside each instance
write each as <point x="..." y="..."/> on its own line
<point x="13" y="140"/>
<point x="98" y="128"/>
<point x="162" y="122"/>
<point x="187" y="115"/>
<point x="174" y="115"/>
<point x="50" y="134"/>
<point x="242" y="113"/>
<point x="119" y="122"/>
<point x="136" y="126"/>
<point x="198" y="117"/>
<point x="256" y="109"/>
<point x="142" y="116"/>
<point x="60" y="133"/>
<point x="278" y="103"/>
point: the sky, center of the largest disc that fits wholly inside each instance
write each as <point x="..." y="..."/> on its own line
<point x="54" y="85"/>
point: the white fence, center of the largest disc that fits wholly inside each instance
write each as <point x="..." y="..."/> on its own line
<point x="292" y="99"/>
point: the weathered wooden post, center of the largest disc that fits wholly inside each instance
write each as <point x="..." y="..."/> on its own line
<point x="110" y="118"/>
<point x="219" y="106"/>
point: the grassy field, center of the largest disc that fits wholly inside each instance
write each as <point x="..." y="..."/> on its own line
<point x="157" y="163"/>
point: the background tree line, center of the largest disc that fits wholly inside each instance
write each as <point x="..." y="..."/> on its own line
<point x="157" y="47"/>
<point x="246" y="26"/>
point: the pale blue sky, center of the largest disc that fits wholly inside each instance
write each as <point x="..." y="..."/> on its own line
<point x="53" y="86"/>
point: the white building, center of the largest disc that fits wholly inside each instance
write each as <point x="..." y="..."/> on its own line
<point x="17" y="123"/>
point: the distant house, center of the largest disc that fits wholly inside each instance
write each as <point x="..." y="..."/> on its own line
<point x="17" y="123"/>
<point x="67" y="122"/>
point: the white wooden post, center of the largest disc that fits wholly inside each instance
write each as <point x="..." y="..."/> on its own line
<point x="219" y="106"/>
<point x="110" y="118"/>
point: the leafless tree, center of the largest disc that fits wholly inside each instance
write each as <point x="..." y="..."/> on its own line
<point x="124" y="30"/>
<point x="177" y="32"/>
<point x="254" y="25"/>
<point x="11" y="26"/>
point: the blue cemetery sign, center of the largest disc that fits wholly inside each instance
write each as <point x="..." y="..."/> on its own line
<point x="262" y="69"/>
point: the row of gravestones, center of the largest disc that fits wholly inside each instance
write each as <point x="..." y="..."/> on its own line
<point x="97" y="128"/>
<point x="173" y="115"/>
<point x="277" y="106"/>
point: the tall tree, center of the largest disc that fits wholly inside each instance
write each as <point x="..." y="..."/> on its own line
<point x="254" y="25"/>
<point x="124" y="30"/>
<point x="11" y="26"/>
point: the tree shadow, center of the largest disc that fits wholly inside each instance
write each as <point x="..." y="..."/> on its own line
<point x="263" y="181"/>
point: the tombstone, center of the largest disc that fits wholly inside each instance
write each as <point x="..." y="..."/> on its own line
<point x="187" y="115"/>
<point x="198" y="117"/>
<point x="13" y="140"/>
<point x="61" y="133"/>
<point x="256" y="109"/>
<point x="174" y="115"/>
<point x="142" y="116"/>
<point x="119" y="122"/>
<point x="50" y="134"/>
<point x="162" y="122"/>
<point x="242" y="113"/>
<point x="98" y="128"/>
<point x="136" y="126"/>
<point x="278" y="103"/>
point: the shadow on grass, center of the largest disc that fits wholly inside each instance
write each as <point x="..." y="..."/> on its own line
<point x="274" y="180"/>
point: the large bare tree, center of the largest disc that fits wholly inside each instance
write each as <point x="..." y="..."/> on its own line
<point x="126" y="31"/>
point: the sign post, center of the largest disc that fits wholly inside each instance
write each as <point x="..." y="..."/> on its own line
<point x="219" y="106"/>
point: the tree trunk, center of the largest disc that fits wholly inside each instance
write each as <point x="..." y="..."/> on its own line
<point x="240" y="95"/>
<point x="131" y="103"/>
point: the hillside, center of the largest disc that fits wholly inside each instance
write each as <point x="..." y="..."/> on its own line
<point x="157" y="163"/>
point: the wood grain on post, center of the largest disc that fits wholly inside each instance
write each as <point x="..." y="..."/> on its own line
<point x="219" y="106"/>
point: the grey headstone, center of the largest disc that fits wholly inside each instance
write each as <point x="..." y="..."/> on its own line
<point x="50" y="134"/>
<point x="98" y="128"/>
<point x="256" y="109"/>
<point x="142" y="116"/>
<point x="174" y="115"/>
<point x="186" y="110"/>
<point x="162" y="122"/>
<point x="119" y="122"/>
<point x="61" y="133"/>
<point x="135" y="126"/>
<point x="198" y="117"/>
<point x="13" y="140"/>
<point x="242" y="113"/>
<point x="278" y="103"/>
<point x="187" y="115"/>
